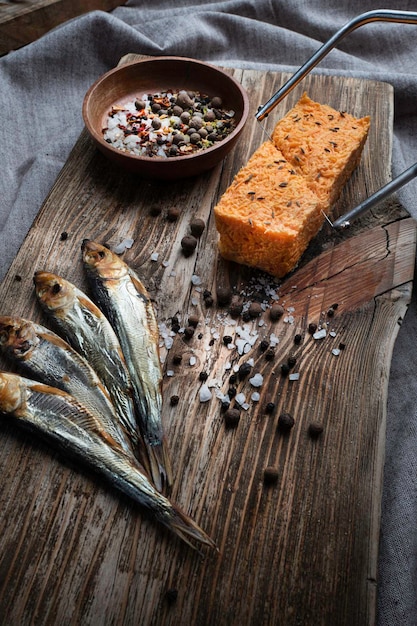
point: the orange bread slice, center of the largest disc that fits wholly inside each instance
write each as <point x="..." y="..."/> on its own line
<point x="268" y="214"/>
<point x="322" y="144"/>
<point x="277" y="201"/>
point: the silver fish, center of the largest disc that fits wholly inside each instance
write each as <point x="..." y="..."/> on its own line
<point x="82" y="324"/>
<point x="41" y="354"/>
<point x="123" y="298"/>
<point x="57" y="416"/>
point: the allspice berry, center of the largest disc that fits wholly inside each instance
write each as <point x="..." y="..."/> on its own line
<point x="224" y="296"/>
<point x="276" y="311"/>
<point x="285" y="422"/>
<point x="188" y="244"/>
<point x="315" y="429"/>
<point x="255" y="310"/>
<point x="197" y="226"/>
<point x="232" y="417"/>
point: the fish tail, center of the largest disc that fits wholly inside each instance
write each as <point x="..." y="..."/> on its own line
<point x="160" y="465"/>
<point x="186" y="528"/>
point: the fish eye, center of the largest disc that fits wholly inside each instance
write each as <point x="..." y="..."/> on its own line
<point x="102" y="254"/>
<point x="56" y="288"/>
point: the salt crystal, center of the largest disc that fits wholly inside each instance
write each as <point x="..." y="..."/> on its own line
<point x="170" y="372"/>
<point x="240" y="398"/>
<point x="196" y="280"/>
<point x="273" y="339"/>
<point x="122" y="246"/>
<point x="165" y="263"/>
<point x="193" y="360"/>
<point x="294" y="376"/>
<point x="320" y="334"/>
<point x="255" y="397"/>
<point x="256" y="380"/>
<point x="336" y="351"/>
<point x="251" y="362"/>
<point x="332" y="333"/>
<point x="205" y="393"/>
<point x="154" y="256"/>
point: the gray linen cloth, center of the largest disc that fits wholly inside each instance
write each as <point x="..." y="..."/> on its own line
<point x="41" y="92"/>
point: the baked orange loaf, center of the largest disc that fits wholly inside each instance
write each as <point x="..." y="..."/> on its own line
<point x="276" y="203"/>
<point x="322" y="144"/>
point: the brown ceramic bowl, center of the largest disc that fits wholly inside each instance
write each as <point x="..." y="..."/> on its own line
<point x="130" y="81"/>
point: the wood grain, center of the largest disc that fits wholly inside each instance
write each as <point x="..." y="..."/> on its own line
<point x="24" y="21"/>
<point x="301" y="551"/>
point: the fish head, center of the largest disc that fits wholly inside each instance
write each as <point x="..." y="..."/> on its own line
<point x="18" y="337"/>
<point x="53" y="292"/>
<point x="12" y="393"/>
<point x="101" y="261"/>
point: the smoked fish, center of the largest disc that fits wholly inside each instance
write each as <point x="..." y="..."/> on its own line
<point x="78" y="320"/>
<point x="122" y="297"/>
<point x="62" y="420"/>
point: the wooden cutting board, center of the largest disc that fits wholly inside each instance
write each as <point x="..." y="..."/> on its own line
<point x="301" y="551"/>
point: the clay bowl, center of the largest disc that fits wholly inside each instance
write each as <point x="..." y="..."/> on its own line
<point x="130" y="81"/>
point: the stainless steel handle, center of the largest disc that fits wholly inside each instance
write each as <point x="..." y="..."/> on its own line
<point x="383" y="15"/>
<point x="381" y="194"/>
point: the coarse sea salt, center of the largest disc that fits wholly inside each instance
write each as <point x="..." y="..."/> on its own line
<point x="336" y="351"/>
<point x="256" y="380"/>
<point x="205" y="393"/>
<point x="320" y="334"/>
<point x="154" y="256"/>
<point x="124" y="245"/>
<point x="294" y="376"/>
<point x="255" y="397"/>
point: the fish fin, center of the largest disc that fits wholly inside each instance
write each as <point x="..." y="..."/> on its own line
<point x="160" y="465"/>
<point x="186" y="528"/>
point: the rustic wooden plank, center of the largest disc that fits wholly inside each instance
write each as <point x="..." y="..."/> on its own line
<point x="26" y="21"/>
<point x="301" y="551"/>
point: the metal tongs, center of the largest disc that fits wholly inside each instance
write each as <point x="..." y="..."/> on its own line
<point x="383" y="15"/>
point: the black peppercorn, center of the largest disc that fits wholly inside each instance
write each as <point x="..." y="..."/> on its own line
<point x="193" y="320"/>
<point x="285" y="370"/>
<point x="312" y="328"/>
<point x="174" y="400"/>
<point x="270" y="354"/>
<point x="177" y="358"/>
<point x="188" y="332"/>
<point x="270" y="408"/>
<point x="227" y="339"/>
<point x="297" y="339"/>
<point x="264" y="345"/>
<point x="291" y="361"/>
<point x="270" y="475"/>
<point x="244" y="370"/>
<point x="203" y="376"/>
